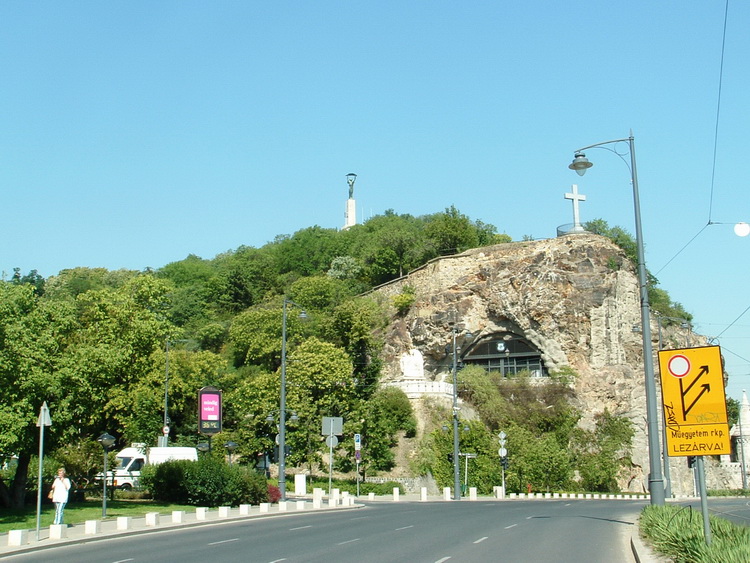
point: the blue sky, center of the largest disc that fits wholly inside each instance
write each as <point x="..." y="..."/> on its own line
<point x="135" y="133"/>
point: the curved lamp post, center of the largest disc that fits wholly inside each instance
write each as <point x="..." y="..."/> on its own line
<point x="282" y="399"/>
<point x="107" y="441"/>
<point x="655" y="481"/>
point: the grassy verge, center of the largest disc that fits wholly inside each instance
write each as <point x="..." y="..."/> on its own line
<point x="677" y="533"/>
<point x="79" y="512"/>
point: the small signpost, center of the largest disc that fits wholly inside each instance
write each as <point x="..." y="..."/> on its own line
<point x="357" y="455"/>
<point x="503" y="453"/>
<point x="331" y="427"/>
<point x="695" y="409"/>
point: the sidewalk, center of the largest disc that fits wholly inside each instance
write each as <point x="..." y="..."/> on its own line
<point x="96" y="530"/>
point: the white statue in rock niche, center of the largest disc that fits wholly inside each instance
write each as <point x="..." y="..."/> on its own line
<point x="412" y="364"/>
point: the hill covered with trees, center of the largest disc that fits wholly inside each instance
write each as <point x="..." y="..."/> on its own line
<point x="102" y="347"/>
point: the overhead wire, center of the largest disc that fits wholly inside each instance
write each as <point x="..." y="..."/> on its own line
<point x="716" y="142"/>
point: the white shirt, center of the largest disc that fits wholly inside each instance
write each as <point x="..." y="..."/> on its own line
<point x="60" y="489"/>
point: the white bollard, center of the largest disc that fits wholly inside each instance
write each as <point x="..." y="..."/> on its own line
<point x="201" y="513"/>
<point x="472" y="493"/>
<point x="396" y="493"/>
<point x="300" y="505"/>
<point x="265" y="506"/>
<point x="152" y="518"/>
<point x="224" y="511"/>
<point x="283" y="506"/>
<point x="58" y="531"/>
<point x="370" y="496"/>
<point x="124" y="522"/>
<point x="245" y="509"/>
<point x="92" y="527"/>
<point x="331" y="502"/>
<point x="317" y="503"/>
<point x="178" y="516"/>
<point x="446" y="493"/>
<point x="423" y="494"/>
<point x="18" y="537"/>
<point x="300" y="485"/>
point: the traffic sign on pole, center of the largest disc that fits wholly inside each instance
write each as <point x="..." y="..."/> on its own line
<point x="695" y="408"/>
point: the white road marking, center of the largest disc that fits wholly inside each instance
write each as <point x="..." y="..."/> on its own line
<point x="480" y="540"/>
<point x="511" y="526"/>
<point x="123" y="560"/>
<point x="442" y="560"/>
<point x="404" y="528"/>
<point x="223" y="541"/>
<point x="348" y="541"/>
<point x="299" y="528"/>
<point x="277" y="560"/>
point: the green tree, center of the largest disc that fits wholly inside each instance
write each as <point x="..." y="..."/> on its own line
<point x="319" y="383"/>
<point x="601" y="454"/>
<point x="33" y="335"/>
<point x="451" y="232"/>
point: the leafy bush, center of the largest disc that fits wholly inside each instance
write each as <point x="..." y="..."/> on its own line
<point x="404" y="300"/>
<point x="677" y="532"/>
<point x="206" y="482"/>
<point x="274" y="494"/>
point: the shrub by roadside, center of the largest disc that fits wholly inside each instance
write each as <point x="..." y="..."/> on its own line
<point x="205" y="482"/>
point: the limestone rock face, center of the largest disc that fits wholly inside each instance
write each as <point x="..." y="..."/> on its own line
<point x="575" y="298"/>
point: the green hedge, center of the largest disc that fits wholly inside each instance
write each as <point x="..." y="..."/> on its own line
<point x="206" y="482"/>
<point x="350" y="486"/>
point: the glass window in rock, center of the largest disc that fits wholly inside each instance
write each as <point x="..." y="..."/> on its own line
<point x="507" y="353"/>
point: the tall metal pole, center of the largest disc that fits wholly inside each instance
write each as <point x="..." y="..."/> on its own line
<point x="655" y="480"/>
<point x="742" y="452"/>
<point x="665" y="457"/>
<point x="282" y="408"/>
<point x="700" y="471"/>
<point x="456" y="470"/>
<point x="104" y="493"/>
<point x="44" y="420"/>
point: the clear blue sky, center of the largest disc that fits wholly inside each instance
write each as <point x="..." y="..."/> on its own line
<point x="135" y="133"/>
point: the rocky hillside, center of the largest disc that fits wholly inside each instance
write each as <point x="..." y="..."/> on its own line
<point x="574" y="299"/>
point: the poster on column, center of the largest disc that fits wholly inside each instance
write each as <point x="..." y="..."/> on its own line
<point x="209" y="410"/>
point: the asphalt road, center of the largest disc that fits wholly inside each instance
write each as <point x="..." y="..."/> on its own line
<point x="559" y="531"/>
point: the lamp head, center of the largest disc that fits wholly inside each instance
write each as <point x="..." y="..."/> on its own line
<point x="350" y="178"/>
<point x="580" y="164"/>
<point x="106" y="440"/>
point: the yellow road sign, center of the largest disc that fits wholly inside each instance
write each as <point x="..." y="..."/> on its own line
<point x="695" y="407"/>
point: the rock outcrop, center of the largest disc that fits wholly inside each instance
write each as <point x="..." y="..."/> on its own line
<point x="574" y="298"/>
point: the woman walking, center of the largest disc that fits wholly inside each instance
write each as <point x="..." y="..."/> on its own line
<point x="60" y="488"/>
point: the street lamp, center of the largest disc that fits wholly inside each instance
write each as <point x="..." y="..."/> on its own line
<point x="456" y="470"/>
<point x="580" y="164"/>
<point x="107" y="441"/>
<point x="230" y="447"/>
<point x="282" y="401"/>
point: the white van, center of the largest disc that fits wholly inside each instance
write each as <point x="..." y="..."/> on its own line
<point x="127" y="473"/>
